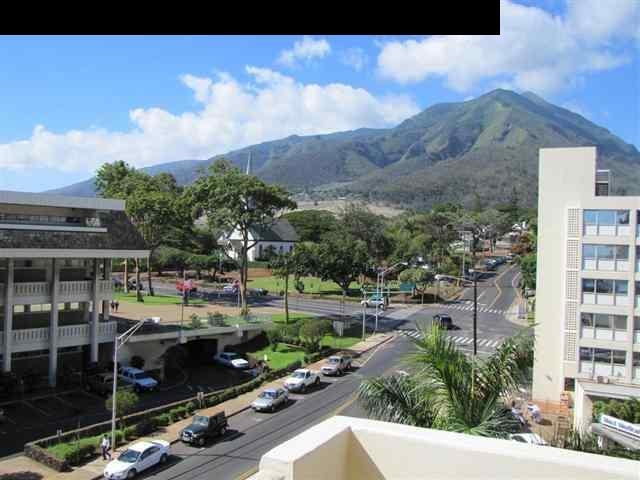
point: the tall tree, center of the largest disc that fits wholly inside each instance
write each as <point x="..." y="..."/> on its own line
<point x="235" y="201"/>
<point x="282" y="266"/>
<point x="341" y="258"/>
<point x="310" y="225"/>
<point x="420" y="276"/>
<point x="356" y="220"/>
<point x="154" y="204"/>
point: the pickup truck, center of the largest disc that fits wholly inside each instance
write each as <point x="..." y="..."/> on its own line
<point x="301" y="379"/>
<point x="336" y="365"/>
<point x="203" y="427"/>
<point x="140" y="380"/>
<point x="100" y="383"/>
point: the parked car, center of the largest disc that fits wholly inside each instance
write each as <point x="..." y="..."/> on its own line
<point x="259" y="291"/>
<point x="203" y="427"/>
<point x="270" y="399"/>
<point x="530" y="438"/>
<point x="373" y="301"/>
<point x="511" y="257"/>
<point x="232" y="360"/>
<point x="138" y="457"/>
<point x="336" y="365"/>
<point x="301" y="379"/>
<point x="100" y="383"/>
<point x="140" y="379"/>
<point x="443" y="320"/>
<point x="231" y="288"/>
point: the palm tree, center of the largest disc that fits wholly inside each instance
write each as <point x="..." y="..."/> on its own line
<point x="449" y="391"/>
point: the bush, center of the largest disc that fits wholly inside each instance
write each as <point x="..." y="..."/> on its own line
<point x="299" y="286"/>
<point x="195" y="321"/>
<point x="216" y="319"/>
<point x="145" y="427"/>
<point x="274" y="335"/>
<point x="191" y="407"/>
<point x="130" y="432"/>
<point x="137" y="362"/>
<point x="163" y="420"/>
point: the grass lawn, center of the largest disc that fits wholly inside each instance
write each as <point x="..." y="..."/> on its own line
<point x="284" y="356"/>
<point x="293" y="317"/>
<point x="312" y="285"/>
<point x="156" y="299"/>
<point x="350" y="338"/>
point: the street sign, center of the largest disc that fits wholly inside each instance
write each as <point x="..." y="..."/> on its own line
<point x="407" y="287"/>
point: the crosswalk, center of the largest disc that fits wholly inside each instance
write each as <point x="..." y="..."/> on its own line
<point x="460" y="340"/>
<point x="467" y="306"/>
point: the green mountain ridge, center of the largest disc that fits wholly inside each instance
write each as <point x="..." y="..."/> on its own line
<point x="481" y="149"/>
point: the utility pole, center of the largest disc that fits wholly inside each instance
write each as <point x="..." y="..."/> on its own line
<point x="475" y="313"/>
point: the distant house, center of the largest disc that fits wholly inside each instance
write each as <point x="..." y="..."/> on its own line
<point x="280" y="237"/>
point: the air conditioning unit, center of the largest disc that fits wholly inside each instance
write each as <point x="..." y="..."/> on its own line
<point x="599" y="379"/>
<point x="605" y="380"/>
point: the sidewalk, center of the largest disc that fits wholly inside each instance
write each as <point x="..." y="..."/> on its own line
<point x="93" y="470"/>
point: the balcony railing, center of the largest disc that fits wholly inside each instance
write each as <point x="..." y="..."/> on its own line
<point x="74" y="290"/>
<point x="68" y="336"/>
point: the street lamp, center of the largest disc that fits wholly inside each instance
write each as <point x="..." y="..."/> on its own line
<point x="118" y="342"/>
<point x="380" y="285"/>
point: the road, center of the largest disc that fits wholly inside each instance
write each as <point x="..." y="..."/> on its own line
<point x="253" y="434"/>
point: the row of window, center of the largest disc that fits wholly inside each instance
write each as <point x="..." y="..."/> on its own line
<point x="49" y="220"/>
<point x="43" y="263"/>
<point x="612" y="287"/>
<point x="46" y="307"/>
<point x="606" y="222"/>
<point x="608" y="257"/>
<point x="598" y="320"/>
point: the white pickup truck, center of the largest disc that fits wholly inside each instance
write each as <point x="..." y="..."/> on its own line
<point x="300" y="379"/>
<point x="336" y="365"/>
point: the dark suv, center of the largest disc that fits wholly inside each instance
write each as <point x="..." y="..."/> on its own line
<point x="443" y="320"/>
<point x="203" y="427"/>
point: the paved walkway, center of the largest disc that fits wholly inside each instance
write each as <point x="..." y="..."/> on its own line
<point x="20" y="466"/>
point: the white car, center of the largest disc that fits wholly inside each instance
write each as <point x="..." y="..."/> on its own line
<point x="300" y="379"/>
<point x="140" y="379"/>
<point x="138" y="457"/>
<point x="530" y="438"/>
<point x="230" y="359"/>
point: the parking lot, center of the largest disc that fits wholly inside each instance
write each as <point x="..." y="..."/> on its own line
<point x="37" y="416"/>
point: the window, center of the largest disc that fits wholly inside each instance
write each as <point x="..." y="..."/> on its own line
<point x="602" y="321"/>
<point x="605" y="292"/>
<point x="601" y="355"/>
<point x="619" y="357"/>
<point x="606" y="222"/>
<point x="636" y="359"/>
<point x="586" y="354"/>
<point x="586" y="319"/>
<point x="619" y="322"/>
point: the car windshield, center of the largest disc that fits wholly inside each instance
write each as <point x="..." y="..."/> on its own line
<point x="334" y="360"/>
<point x="298" y="375"/>
<point x="232" y="356"/>
<point x="129" y="456"/>
<point x="268" y="394"/>
<point x="140" y="376"/>
<point x="201" y="420"/>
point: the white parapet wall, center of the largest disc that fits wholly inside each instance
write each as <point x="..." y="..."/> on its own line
<point x="343" y="448"/>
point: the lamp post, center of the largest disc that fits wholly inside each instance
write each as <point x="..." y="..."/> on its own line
<point x="380" y="285"/>
<point x="118" y="342"/>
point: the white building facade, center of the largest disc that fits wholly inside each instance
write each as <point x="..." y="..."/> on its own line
<point x="588" y="284"/>
<point x="55" y="279"/>
<point x="279" y="237"/>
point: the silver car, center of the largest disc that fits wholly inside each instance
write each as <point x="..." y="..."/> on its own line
<point x="270" y="399"/>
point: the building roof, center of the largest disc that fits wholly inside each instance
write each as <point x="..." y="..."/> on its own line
<point x="51" y="200"/>
<point x="120" y="235"/>
<point x="280" y="231"/>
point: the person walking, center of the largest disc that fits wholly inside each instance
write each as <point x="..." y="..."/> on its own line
<point x="105" y="444"/>
<point x="117" y="305"/>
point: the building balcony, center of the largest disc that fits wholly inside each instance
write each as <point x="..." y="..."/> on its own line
<point x="344" y="448"/>
<point x="29" y="339"/>
<point x="40" y="292"/>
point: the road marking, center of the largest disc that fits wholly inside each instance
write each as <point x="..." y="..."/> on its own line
<point x="498" y="286"/>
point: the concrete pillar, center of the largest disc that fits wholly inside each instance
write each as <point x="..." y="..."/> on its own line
<point x="53" y="323"/>
<point x="95" y="307"/>
<point x="105" y="303"/>
<point x="86" y="313"/>
<point x="8" y="317"/>
<point x="27" y="308"/>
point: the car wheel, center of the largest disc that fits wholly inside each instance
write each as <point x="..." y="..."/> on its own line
<point x="303" y="388"/>
<point x="317" y="381"/>
<point x="201" y="441"/>
<point x="223" y="430"/>
<point x="137" y="389"/>
<point x="273" y="408"/>
<point x="163" y="459"/>
<point x="132" y="473"/>
<point x="87" y="387"/>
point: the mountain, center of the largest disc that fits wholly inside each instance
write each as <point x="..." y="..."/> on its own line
<point x="479" y="150"/>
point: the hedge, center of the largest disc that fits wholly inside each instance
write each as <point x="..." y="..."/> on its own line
<point x="60" y="455"/>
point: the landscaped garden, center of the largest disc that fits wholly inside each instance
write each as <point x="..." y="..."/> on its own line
<point x="312" y="285"/>
<point x="155" y="299"/>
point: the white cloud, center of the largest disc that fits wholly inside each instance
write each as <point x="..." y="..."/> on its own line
<point x="354" y="58"/>
<point x="534" y="51"/>
<point x="306" y="49"/>
<point x="231" y="115"/>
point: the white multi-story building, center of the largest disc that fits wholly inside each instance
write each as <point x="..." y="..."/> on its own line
<point x="588" y="284"/>
<point x="55" y="279"/>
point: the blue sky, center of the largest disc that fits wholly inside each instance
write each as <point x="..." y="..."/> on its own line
<point x="71" y="103"/>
